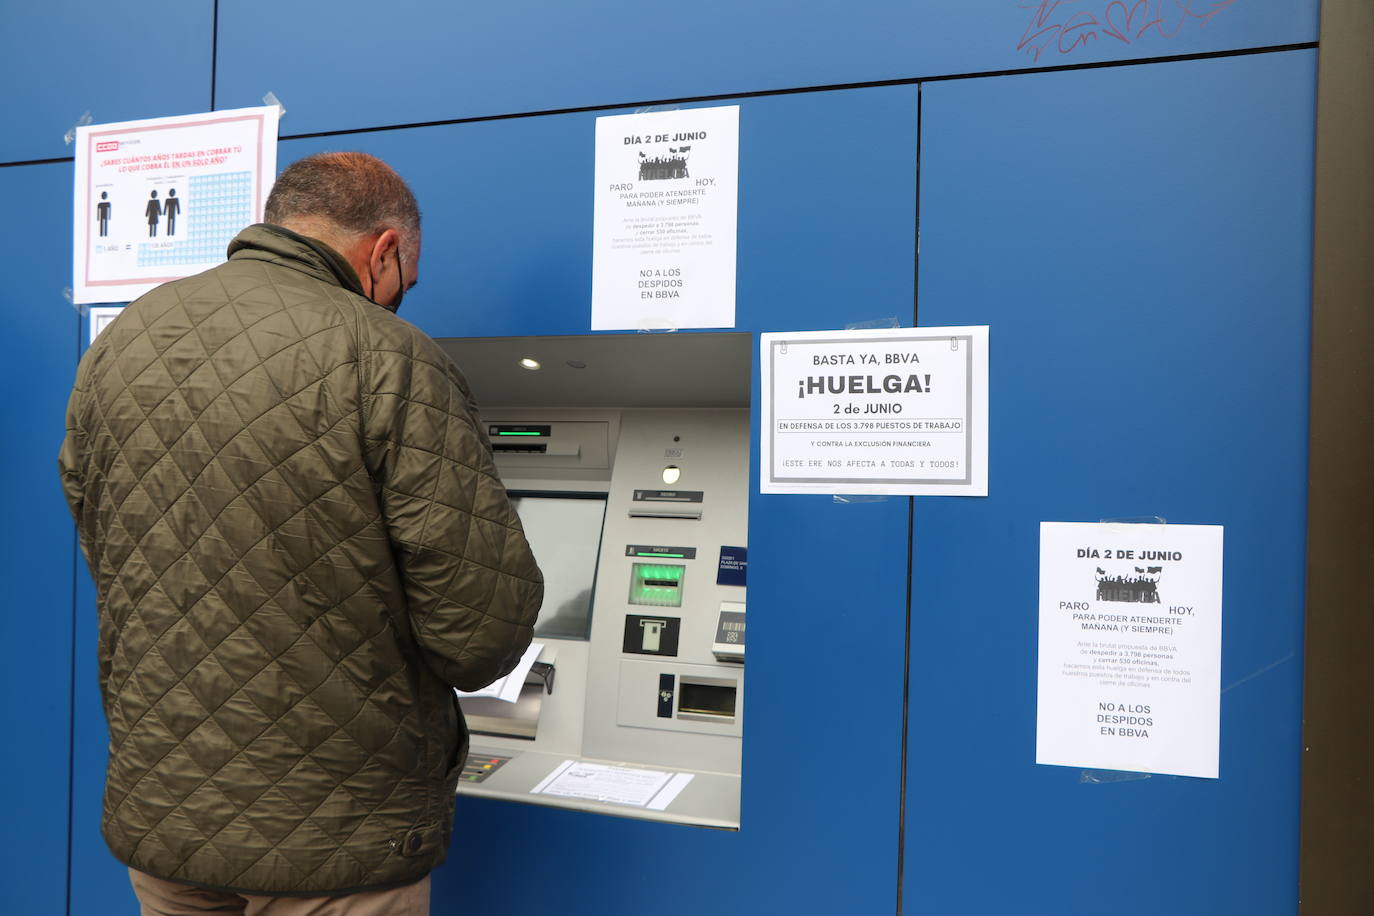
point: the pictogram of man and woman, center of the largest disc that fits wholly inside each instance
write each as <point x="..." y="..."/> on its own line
<point x="155" y="211"/>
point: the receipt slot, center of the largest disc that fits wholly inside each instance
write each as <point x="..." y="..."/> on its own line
<point x="649" y="670"/>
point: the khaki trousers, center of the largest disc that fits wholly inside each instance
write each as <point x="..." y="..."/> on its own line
<point x="167" y="898"/>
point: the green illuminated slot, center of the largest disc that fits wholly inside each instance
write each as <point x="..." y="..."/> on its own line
<point x="519" y="434"/>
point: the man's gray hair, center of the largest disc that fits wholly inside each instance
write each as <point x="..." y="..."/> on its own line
<point x="358" y="193"/>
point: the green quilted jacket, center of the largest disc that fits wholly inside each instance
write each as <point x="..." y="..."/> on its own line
<point x="300" y="545"/>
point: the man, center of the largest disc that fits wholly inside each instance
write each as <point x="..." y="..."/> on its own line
<point x="170" y="208"/>
<point x="300" y="546"/>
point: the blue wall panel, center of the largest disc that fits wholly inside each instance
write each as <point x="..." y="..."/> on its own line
<point x="100" y="883"/>
<point x="119" y="61"/>
<point x="37" y="543"/>
<point x="1139" y="241"/>
<point x="465" y="60"/>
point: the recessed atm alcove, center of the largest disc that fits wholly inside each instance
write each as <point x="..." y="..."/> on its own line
<point x="627" y="457"/>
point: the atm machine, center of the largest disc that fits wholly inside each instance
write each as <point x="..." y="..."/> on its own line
<point x="627" y="458"/>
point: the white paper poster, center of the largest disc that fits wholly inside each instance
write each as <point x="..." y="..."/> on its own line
<point x="161" y="199"/>
<point x="101" y="317"/>
<point x="652" y="789"/>
<point x="901" y="411"/>
<point x="664" y="238"/>
<point x="1130" y="647"/>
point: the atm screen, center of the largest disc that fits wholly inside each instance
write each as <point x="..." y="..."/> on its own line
<point x="564" y="531"/>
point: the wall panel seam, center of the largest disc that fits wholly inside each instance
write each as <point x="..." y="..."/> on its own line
<point x="729" y="96"/>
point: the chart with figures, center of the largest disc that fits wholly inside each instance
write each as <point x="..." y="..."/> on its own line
<point x="217" y="206"/>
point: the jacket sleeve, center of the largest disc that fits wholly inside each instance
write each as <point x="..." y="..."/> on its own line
<point x="71" y="465"/>
<point x="472" y="587"/>
<point x="71" y="459"/>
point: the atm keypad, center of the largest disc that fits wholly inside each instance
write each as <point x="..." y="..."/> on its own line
<point x="480" y="766"/>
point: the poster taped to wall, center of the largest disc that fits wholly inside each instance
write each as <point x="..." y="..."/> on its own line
<point x="101" y="316"/>
<point x="1130" y="647"/>
<point x="893" y="411"/>
<point x="160" y="199"/>
<point x="663" y="254"/>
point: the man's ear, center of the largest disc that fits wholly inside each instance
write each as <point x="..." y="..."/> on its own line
<point x="385" y="245"/>
<point x="359" y="256"/>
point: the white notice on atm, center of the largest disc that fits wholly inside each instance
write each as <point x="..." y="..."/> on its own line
<point x="651" y="789"/>
<point x="1130" y="647"/>
<point x="899" y="411"/>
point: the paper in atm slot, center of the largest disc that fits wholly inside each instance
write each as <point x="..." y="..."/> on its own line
<point x="507" y="689"/>
<point x="510" y="707"/>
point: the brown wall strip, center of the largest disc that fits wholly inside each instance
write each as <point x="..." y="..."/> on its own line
<point x="1338" y="732"/>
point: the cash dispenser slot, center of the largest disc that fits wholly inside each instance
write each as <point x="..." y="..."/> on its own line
<point x="491" y="716"/>
<point x="705" y="699"/>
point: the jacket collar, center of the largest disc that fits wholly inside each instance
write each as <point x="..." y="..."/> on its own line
<point x="266" y="242"/>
